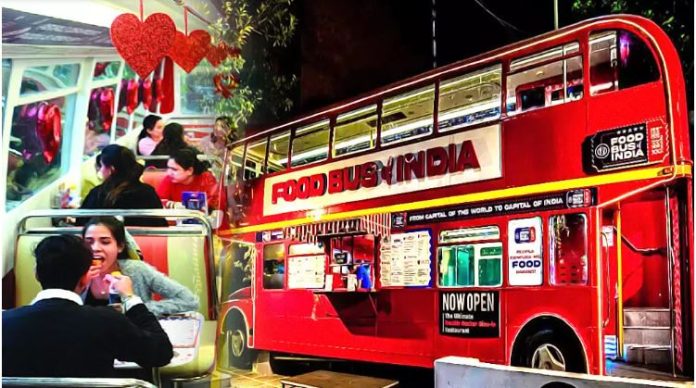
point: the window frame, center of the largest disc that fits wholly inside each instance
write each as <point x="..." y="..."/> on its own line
<point x="476" y="244"/>
<point x="312" y="128"/>
<point x="356" y="111"/>
<point x="404" y="95"/>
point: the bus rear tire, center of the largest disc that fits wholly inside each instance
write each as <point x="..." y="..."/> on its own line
<point x="241" y="356"/>
<point x="548" y="349"/>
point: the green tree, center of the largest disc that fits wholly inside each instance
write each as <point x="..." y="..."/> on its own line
<point x="676" y="17"/>
<point x="259" y="29"/>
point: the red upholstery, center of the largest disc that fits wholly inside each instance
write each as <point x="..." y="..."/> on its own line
<point x="155" y="253"/>
<point x="153" y="177"/>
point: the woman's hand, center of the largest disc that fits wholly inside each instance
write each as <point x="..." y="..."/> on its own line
<point x="94" y="270"/>
<point x="174" y="205"/>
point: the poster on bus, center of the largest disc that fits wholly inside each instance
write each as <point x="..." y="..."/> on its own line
<point x="405" y="260"/>
<point x="524" y="252"/>
<point x="470" y="314"/>
<point x="306" y="271"/>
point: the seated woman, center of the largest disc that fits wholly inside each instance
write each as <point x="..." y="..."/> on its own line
<point x="186" y="173"/>
<point x="106" y="236"/>
<point x="122" y="188"/>
<point x="172" y="141"/>
<point x="216" y="142"/>
<point x="150" y="135"/>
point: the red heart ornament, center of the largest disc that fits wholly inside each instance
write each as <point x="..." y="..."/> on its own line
<point x="143" y="44"/>
<point x="225" y="84"/>
<point x="217" y="53"/>
<point x="188" y="51"/>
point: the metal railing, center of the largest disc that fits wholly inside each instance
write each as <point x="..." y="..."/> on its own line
<point x="73" y="382"/>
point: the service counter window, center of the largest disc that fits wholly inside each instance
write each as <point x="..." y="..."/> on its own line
<point x="545" y="79"/>
<point x="355" y="131"/>
<point x="35" y="157"/>
<point x="351" y="263"/>
<point x="306" y="266"/>
<point x="620" y="60"/>
<point x="405" y="260"/>
<point x="408" y="116"/>
<point x="274" y="266"/>
<point x="278" y="152"/>
<point x="464" y="263"/>
<point x="310" y="144"/>
<point x="568" y="249"/>
<point x="470" y="99"/>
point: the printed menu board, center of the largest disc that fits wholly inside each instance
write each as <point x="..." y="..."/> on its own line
<point x="405" y="260"/>
<point x="306" y="271"/>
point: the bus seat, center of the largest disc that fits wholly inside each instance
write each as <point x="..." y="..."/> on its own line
<point x="204" y="362"/>
<point x="153" y="177"/>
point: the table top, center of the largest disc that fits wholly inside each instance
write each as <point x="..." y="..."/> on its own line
<point x="323" y="378"/>
<point x="184" y="333"/>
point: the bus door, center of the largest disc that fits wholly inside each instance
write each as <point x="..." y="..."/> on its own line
<point x="649" y="288"/>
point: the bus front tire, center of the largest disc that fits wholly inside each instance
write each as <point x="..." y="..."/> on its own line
<point x="547" y="349"/>
<point x="241" y="356"/>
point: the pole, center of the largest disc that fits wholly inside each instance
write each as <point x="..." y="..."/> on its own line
<point x="555" y="14"/>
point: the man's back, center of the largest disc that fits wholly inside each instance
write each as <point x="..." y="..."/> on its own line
<point x="59" y="338"/>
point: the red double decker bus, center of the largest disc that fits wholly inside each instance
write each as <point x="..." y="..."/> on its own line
<point x="528" y="206"/>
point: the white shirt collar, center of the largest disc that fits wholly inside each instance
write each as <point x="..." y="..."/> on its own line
<point x="53" y="293"/>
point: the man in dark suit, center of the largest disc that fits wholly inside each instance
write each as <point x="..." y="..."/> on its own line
<point x="56" y="336"/>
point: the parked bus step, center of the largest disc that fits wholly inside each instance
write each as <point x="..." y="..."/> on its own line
<point x="648" y="354"/>
<point x="646" y="317"/>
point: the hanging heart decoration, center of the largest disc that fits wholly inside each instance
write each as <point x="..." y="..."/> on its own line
<point x="143" y="44"/>
<point x="132" y="96"/>
<point x="145" y="94"/>
<point x="225" y="84"/>
<point x="48" y="129"/>
<point x="106" y="108"/>
<point x="188" y="51"/>
<point x="217" y="53"/>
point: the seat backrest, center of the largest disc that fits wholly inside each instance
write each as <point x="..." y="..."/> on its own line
<point x="153" y="177"/>
<point x="179" y="252"/>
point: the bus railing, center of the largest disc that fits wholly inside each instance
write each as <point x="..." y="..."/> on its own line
<point x="74" y="382"/>
<point x="22" y="228"/>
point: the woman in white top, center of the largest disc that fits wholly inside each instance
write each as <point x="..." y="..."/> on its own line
<point x="151" y="134"/>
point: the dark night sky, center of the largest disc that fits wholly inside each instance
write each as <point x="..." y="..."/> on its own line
<point x="349" y="47"/>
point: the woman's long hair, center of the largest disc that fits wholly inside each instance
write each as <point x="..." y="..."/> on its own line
<point x="118" y="231"/>
<point x="187" y="158"/>
<point x="127" y="171"/>
<point x="148" y="123"/>
<point x="172" y="140"/>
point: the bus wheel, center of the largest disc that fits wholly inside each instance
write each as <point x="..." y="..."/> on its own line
<point x="240" y="354"/>
<point x="548" y="350"/>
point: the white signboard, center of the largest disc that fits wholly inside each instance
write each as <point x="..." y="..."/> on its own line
<point x="405" y="260"/>
<point x="463" y="157"/>
<point x="525" y="264"/>
<point x="306" y="271"/>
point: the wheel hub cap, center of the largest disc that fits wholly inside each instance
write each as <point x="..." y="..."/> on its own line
<point x="548" y="356"/>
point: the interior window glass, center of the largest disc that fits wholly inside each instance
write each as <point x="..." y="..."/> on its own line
<point x="568" y="249"/>
<point x="123" y="118"/>
<point x="234" y="164"/>
<point x="470" y="265"/>
<point x="38" y="79"/>
<point x="469" y="99"/>
<point x="311" y="143"/>
<point x="274" y="266"/>
<point x="106" y="70"/>
<point x="355" y="131"/>
<point x="534" y="82"/>
<point x="36" y="144"/>
<point x="100" y="114"/>
<point x="256" y="155"/>
<point x="408" y="116"/>
<point x="6" y="69"/>
<point x="620" y="60"/>
<point x="278" y="152"/>
<point x="197" y="90"/>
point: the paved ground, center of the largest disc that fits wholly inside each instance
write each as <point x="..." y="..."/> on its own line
<point x="245" y="378"/>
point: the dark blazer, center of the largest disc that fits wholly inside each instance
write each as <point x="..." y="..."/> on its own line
<point x="137" y="196"/>
<point x="59" y="338"/>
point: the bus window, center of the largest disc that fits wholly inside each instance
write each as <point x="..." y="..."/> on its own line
<point x="35" y="156"/>
<point x="106" y="70"/>
<point x="355" y="131"/>
<point x="469" y="99"/>
<point x="6" y="69"/>
<point x="408" y="116"/>
<point x="255" y="157"/>
<point x="197" y="90"/>
<point x="124" y="121"/>
<point x="619" y="60"/>
<point x="278" y="152"/>
<point x="568" y="249"/>
<point x="470" y="265"/>
<point x="539" y="80"/>
<point x="274" y="266"/>
<point x="310" y="144"/>
<point x="234" y="164"/>
<point x="100" y="113"/>
<point x="40" y="79"/>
